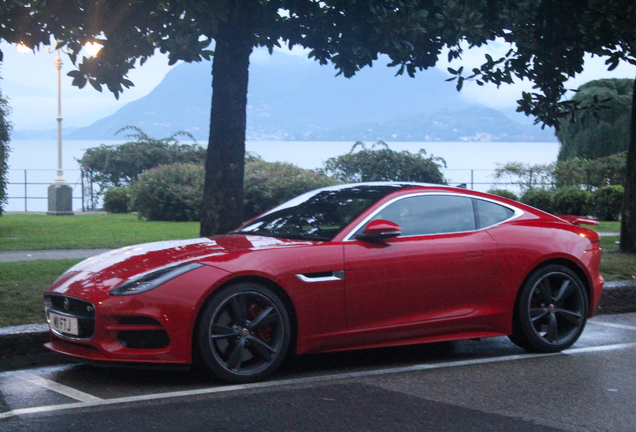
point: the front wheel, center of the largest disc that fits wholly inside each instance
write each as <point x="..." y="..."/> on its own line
<point x="244" y="333"/>
<point x="551" y="310"/>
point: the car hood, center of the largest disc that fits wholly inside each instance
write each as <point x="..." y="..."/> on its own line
<point x="106" y="271"/>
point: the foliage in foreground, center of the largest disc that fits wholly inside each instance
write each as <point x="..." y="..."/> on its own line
<point x="380" y="163"/>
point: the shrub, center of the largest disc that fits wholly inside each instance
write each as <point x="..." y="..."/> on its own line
<point x="524" y="175"/>
<point x="169" y="193"/>
<point x="593" y="173"/>
<point x="121" y="164"/>
<point x="539" y="198"/>
<point x="605" y="203"/>
<point x="571" y="201"/>
<point x="117" y="200"/>
<point x="268" y="184"/>
<point x="504" y="193"/>
<point x="384" y="164"/>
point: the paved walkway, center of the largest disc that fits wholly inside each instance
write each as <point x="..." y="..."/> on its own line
<point x="14" y="256"/>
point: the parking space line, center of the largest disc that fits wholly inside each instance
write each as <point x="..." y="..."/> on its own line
<point x="618" y="326"/>
<point x="296" y="381"/>
<point x="63" y="390"/>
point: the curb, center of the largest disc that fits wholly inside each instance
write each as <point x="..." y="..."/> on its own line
<point x="618" y="297"/>
<point x="22" y="346"/>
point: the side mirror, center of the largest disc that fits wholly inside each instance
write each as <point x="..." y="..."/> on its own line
<point x="380" y="229"/>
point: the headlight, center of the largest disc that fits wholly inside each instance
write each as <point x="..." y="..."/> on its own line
<point x="153" y="280"/>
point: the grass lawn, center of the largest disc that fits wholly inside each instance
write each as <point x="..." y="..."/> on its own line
<point x="21" y="287"/>
<point x="101" y="231"/>
<point x="615" y="266"/>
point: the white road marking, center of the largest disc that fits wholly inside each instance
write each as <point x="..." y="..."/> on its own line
<point x="618" y="326"/>
<point x="272" y="384"/>
<point x="63" y="390"/>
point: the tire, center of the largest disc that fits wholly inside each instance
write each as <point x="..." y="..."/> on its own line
<point x="244" y="333"/>
<point x="551" y="310"/>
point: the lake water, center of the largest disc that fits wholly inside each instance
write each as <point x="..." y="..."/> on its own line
<point x="468" y="162"/>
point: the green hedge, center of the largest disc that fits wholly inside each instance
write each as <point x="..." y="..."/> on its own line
<point x="117" y="200"/>
<point x="175" y="192"/>
<point x="539" y="198"/>
<point x="268" y="184"/>
<point x="504" y="193"/>
<point x="571" y="201"/>
<point x="169" y="193"/>
<point x="605" y="203"/>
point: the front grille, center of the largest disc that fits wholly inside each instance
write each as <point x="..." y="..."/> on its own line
<point x="71" y="307"/>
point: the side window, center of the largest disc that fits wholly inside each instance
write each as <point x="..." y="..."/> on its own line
<point x="489" y="213"/>
<point x="431" y="214"/>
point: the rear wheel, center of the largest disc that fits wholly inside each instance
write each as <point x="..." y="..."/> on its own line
<point x="551" y="310"/>
<point x="244" y="333"/>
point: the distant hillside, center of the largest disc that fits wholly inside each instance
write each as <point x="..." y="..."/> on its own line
<point x="292" y="98"/>
<point x="470" y="124"/>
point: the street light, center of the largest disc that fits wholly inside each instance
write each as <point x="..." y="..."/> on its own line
<point x="60" y="193"/>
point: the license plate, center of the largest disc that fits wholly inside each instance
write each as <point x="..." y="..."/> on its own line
<point x="63" y="324"/>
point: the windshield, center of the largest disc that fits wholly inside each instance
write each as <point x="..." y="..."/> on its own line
<point x="320" y="214"/>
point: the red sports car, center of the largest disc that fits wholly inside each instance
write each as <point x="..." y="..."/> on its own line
<point x="344" y="267"/>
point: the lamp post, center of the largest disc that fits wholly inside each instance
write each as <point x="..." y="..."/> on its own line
<point x="60" y="193"/>
<point x="60" y="196"/>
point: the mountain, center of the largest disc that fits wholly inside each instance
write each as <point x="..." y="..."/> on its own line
<point x="469" y="124"/>
<point x="293" y="98"/>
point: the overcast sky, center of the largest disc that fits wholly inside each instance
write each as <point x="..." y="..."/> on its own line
<point x="30" y="83"/>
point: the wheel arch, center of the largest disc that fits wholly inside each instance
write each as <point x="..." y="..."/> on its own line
<point x="268" y="283"/>
<point x="566" y="263"/>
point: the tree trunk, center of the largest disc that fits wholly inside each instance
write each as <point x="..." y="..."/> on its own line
<point x="222" y="208"/>
<point x="628" y="218"/>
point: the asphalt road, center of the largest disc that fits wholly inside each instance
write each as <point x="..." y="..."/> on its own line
<point x="488" y="385"/>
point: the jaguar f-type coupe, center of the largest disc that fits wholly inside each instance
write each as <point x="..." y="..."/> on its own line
<point x="345" y="267"/>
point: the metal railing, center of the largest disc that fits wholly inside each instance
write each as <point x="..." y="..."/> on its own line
<point x="33" y="187"/>
<point x="22" y="184"/>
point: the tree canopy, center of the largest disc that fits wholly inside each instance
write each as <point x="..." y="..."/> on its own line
<point x="601" y="133"/>
<point x="350" y="34"/>
<point x="549" y="41"/>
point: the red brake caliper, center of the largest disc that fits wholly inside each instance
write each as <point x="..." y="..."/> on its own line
<point x="263" y="333"/>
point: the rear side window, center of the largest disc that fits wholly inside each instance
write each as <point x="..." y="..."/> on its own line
<point x="488" y="213"/>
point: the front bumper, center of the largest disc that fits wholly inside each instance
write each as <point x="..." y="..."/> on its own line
<point x="156" y="326"/>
